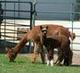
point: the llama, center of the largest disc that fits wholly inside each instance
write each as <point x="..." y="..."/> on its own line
<point x="59" y="41"/>
<point x="34" y="36"/>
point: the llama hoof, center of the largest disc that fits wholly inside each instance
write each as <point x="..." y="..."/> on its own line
<point x="48" y="62"/>
<point x="51" y="62"/>
<point x="33" y="62"/>
<point x="12" y="61"/>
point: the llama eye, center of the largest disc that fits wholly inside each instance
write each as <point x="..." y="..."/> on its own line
<point x="42" y="31"/>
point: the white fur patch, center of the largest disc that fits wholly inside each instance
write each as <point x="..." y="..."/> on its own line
<point x="70" y="39"/>
<point x="51" y="63"/>
<point x="48" y="62"/>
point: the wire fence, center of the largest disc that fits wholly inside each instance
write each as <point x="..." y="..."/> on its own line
<point x="14" y="18"/>
<point x="61" y="11"/>
<point x="19" y="15"/>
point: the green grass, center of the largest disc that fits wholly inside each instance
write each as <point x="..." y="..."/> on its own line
<point x="23" y="65"/>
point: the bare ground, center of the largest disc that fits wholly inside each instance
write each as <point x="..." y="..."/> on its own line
<point x="75" y="60"/>
<point x="76" y="57"/>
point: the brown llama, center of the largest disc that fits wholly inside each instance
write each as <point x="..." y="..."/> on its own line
<point x="64" y="51"/>
<point x="34" y="36"/>
<point x="56" y="41"/>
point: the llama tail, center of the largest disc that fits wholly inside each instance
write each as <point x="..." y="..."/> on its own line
<point x="72" y="35"/>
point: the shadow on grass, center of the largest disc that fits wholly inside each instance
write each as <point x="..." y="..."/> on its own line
<point x="36" y="63"/>
<point x="19" y="62"/>
<point x="75" y="65"/>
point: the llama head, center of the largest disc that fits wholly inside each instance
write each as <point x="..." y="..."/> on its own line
<point x="11" y="54"/>
<point x="43" y="29"/>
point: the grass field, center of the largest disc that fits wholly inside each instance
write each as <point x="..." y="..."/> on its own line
<point x="23" y="65"/>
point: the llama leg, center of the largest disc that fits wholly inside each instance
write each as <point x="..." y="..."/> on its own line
<point x="35" y="52"/>
<point x="56" y="61"/>
<point x="66" y="61"/>
<point x="60" y="58"/>
<point x="43" y="57"/>
<point x="51" y="62"/>
<point x="48" y="62"/>
<point x="34" y="57"/>
<point x="68" y="58"/>
<point x="52" y="57"/>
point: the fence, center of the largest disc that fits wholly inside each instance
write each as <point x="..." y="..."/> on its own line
<point x="55" y="12"/>
<point x="17" y="19"/>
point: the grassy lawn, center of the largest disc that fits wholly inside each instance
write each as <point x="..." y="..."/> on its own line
<point x="23" y="65"/>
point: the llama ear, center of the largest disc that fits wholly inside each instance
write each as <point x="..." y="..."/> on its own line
<point x="40" y="27"/>
<point x="6" y="49"/>
<point x="46" y="27"/>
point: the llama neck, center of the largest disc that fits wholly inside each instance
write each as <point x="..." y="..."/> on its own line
<point x="44" y="39"/>
<point x="20" y="45"/>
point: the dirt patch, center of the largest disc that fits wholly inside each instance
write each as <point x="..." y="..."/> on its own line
<point x="75" y="60"/>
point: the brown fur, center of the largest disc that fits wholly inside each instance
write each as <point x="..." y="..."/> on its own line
<point x="59" y="41"/>
<point x="34" y="36"/>
<point x="64" y="51"/>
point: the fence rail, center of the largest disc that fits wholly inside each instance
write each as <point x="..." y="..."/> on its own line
<point x="9" y="27"/>
<point x="31" y="12"/>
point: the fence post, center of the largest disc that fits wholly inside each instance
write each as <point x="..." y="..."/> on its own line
<point x="34" y="12"/>
<point x="72" y="19"/>
<point x="32" y="20"/>
<point x="1" y="17"/>
<point x="1" y="13"/>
